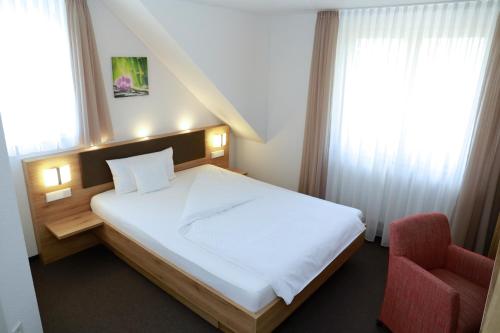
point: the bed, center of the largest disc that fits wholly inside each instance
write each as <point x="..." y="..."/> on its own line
<point x="200" y="261"/>
<point x="153" y="221"/>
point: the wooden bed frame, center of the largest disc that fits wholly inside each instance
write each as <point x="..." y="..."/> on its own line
<point x="207" y="302"/>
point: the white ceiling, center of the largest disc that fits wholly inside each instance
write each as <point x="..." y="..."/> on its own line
<point x="270" y="6"/>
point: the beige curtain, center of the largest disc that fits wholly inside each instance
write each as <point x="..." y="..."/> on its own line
<point x="495" y="240"/>
<point x="313" y="173"/>
<point x="476" y="207"/>
<point x="91" y="96"/>
<point x="491" y="318"/>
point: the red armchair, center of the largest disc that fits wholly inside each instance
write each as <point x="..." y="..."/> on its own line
<point x="432" y="285"/>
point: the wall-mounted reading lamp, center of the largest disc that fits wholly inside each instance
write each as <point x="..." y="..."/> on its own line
<point x="57" y="176"/>
<point x="218" y="141"/>
<point x="54" y="177"/>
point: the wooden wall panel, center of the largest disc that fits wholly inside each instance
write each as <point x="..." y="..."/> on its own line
<point x="49" y="247"/>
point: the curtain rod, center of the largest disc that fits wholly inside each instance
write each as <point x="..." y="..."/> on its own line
<point x="409" y="4"/>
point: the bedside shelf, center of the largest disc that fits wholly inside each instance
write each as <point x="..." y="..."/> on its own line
<point x="74" y="224"/>
<point x="241" y="172"/>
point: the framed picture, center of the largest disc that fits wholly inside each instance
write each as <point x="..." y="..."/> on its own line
<point x="130" y="76"/>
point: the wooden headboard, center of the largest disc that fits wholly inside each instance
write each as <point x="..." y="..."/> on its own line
<point x="90" y="176"/>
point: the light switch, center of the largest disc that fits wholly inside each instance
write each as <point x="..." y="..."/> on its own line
<point x="58" y="195"/>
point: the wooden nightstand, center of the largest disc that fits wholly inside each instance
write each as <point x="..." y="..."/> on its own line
<point x="73" y="225"/>
<point x="241" y="172"/>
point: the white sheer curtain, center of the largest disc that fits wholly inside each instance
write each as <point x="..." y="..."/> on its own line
<point x="36" y="86"/>
<point x="405" y="100"/>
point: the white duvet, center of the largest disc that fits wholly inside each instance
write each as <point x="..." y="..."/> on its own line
<point x="284" y="237"/>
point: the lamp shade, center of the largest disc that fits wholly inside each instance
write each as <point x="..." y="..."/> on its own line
<point x="50" y="177"/>
<point x="65" y="174"/>
<point x="57" y="176"/>
<point x="219" y="140"/>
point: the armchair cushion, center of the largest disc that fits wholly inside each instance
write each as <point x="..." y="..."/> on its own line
<point x="470" y="265"/>
<point x="472" y="299"/>
<point x="423" y="238"/>
<point x="417" y="301"/>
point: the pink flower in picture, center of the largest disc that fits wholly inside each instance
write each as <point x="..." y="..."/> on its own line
<point x="123" y="83"/>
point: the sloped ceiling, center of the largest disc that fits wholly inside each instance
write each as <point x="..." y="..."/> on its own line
<point x="145" y="26"/>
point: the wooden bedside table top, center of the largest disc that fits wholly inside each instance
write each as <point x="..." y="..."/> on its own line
<point x="74" y="224"/>
<point x="241" y="172"/>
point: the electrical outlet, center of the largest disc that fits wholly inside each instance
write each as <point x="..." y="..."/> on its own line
<point x="18" y="328"/>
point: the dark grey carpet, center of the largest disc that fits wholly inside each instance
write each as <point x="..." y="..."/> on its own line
<point x="94" y="291"/>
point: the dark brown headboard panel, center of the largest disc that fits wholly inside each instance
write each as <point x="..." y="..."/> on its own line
<point x="95" y="171"/>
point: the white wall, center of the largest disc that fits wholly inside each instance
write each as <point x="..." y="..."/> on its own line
<point x="169" y="106"/>
<point x="290" y="49"/>
<point x="261" y="64"/>
<point x="229" y="46"/>
<point x="17" y="294"/>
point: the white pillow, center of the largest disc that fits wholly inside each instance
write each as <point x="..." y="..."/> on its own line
<point x="150" y="175"/>
<point x="169" y="152"/>
<point x="122" y="175"/>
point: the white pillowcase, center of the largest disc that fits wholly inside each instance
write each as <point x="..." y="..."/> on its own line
<point x="169" y="152"/>
<point x="123" y="177"/>
<point x="150" y="175"/>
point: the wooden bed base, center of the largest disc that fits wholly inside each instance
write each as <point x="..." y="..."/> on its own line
<point x="204" y="300"/>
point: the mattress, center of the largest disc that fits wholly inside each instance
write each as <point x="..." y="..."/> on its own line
<point x="154" y="220"/>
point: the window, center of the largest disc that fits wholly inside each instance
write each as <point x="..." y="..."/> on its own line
<point x="38" y="105"/>
<point x="405" y="100"/>
<point x="422" y="110"/>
